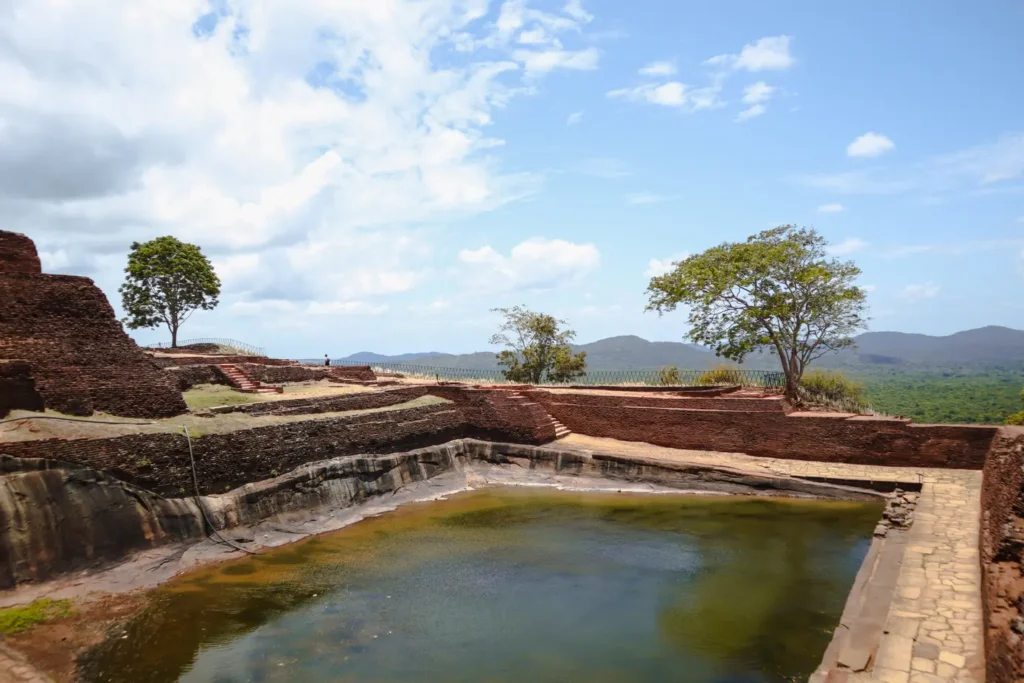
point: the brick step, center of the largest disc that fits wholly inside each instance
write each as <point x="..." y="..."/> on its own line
<point x="561" y="430"/>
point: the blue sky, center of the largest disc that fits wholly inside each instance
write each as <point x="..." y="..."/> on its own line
<point x="378" y="175"/>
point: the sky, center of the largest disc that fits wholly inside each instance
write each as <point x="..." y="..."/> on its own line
<point x="380" y="174"/>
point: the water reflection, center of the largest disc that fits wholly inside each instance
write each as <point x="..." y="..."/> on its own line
<point x="511" y="585"/>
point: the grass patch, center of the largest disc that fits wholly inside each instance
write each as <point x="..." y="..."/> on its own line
<point x="210" y="395"/>
<point x="18" y="619"/>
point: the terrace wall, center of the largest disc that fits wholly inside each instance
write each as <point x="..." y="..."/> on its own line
<point x="329" y="404"/>
<point x="81" y="360"/>
<point x="758" y="405"/>
<point x="497" y="415"/>
<point x="1002" y="555"/>
<point x="160" y="462"/>
<point x="798" y="436"/>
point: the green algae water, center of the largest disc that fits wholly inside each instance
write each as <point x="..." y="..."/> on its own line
<point x="516" y="585"/>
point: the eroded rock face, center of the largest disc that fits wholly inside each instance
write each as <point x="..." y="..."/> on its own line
<point x="56" y="517"/>
<point x="55" y="520"/>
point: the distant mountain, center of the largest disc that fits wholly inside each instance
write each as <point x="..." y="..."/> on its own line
<point x="984" y="349"/>
<point x="371" y="357"/>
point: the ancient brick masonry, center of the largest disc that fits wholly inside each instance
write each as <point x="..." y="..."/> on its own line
<point x="160" y="462"/>
<point x="18" y="254"/>
<point x="329" y="404"/>
<point x="17" y="388"/>
<point x="1002" y="555"/>
<point x="822" y="437"/>
<point x="81" y="360"/>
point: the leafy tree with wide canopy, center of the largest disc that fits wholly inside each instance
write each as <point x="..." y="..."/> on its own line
<point x="538" y="348"/>
<point x="778" y="291"/>
<point x="165" y="282"/>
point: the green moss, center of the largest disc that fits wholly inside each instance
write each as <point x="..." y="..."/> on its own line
<point x="17" y="619"/>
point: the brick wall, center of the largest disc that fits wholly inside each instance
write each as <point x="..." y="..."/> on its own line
<point x="1002" y="555"/>
<point x="329" y="404"/>
<point x="497" y="415"/>
<point x="189" y="376"/>
<point x="696" y="402"/>
<point x="81" y="359"/>
<point x="181" y="361"/>
<point x="18" y="254"/>
<point x="274" y="374"/>
<point x="17" y="388"/>
<point x="803" y="436"/>
<point x="160" y="462"/>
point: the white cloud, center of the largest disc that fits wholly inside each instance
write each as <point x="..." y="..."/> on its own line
<point x="767" y="53"/>
<point x="658" y="69"/>
<point x="847" y="246"/>
<point x="992" y="167"/>
<point x="277" y="307"/>
<point x="771" y="53"/>
<point x="671" y="94"/>
<point x="920" y="292"/>
<point x="831" y="208"/>
<point x="756" y="93"/>
<point x="535" y="264"/>
<point x="540" y="62"/>
<point x="574" y="8"/>
<point x="574" y="118"/>
<point x="646" y="198"/>
<point x="750" y="113"/>
<point x="658" y="267"/>
<point x="299" y="142"/>
<point x="869" y="145"/>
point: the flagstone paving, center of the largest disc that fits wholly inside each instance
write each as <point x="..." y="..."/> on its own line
<point x="933" y="631"/>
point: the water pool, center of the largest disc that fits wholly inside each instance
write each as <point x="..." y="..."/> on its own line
<point x="509" y="584"/>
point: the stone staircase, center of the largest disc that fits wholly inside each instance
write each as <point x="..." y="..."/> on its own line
<point x="242" y="382"/>
<point x="561" y="431"/>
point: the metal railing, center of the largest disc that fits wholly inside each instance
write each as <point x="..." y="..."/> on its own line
<point x="768" y="379"/>
<point x="242" y="348"/>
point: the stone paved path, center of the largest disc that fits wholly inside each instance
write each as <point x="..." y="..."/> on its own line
<point x="14" y="668"/>
<point x="933" y="631"/>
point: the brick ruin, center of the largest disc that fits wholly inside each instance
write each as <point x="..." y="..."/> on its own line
<point x="72" y="352"/>
<point x="62" y="348"/>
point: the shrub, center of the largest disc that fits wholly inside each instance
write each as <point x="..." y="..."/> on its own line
<point x="669" y="375"/>
<point x="720" y="375"/>
<point x="833" y="389"/>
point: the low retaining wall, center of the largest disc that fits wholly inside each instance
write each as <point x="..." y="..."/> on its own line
<point x="712" y="402"/>
<point x="160" y="462"/>
<point x="180" y="361"/>
<point x="329" y="404"/>
<point x="1002" y="555"/>
<point x="798" y="436"/>
<point x="497" y="415"/>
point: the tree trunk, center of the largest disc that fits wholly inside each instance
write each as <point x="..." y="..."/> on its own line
<point x="174" y="337"/>
<point x="792" y="387"/>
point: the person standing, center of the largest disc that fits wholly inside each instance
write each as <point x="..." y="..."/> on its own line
<point x="327" y="360"/>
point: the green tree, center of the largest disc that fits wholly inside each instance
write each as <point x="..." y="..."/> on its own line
<point x="538" y="348"/>
<point x="777" y="291"/>
<point x="1017" y="418"/>
<point x="165" y="282"/>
